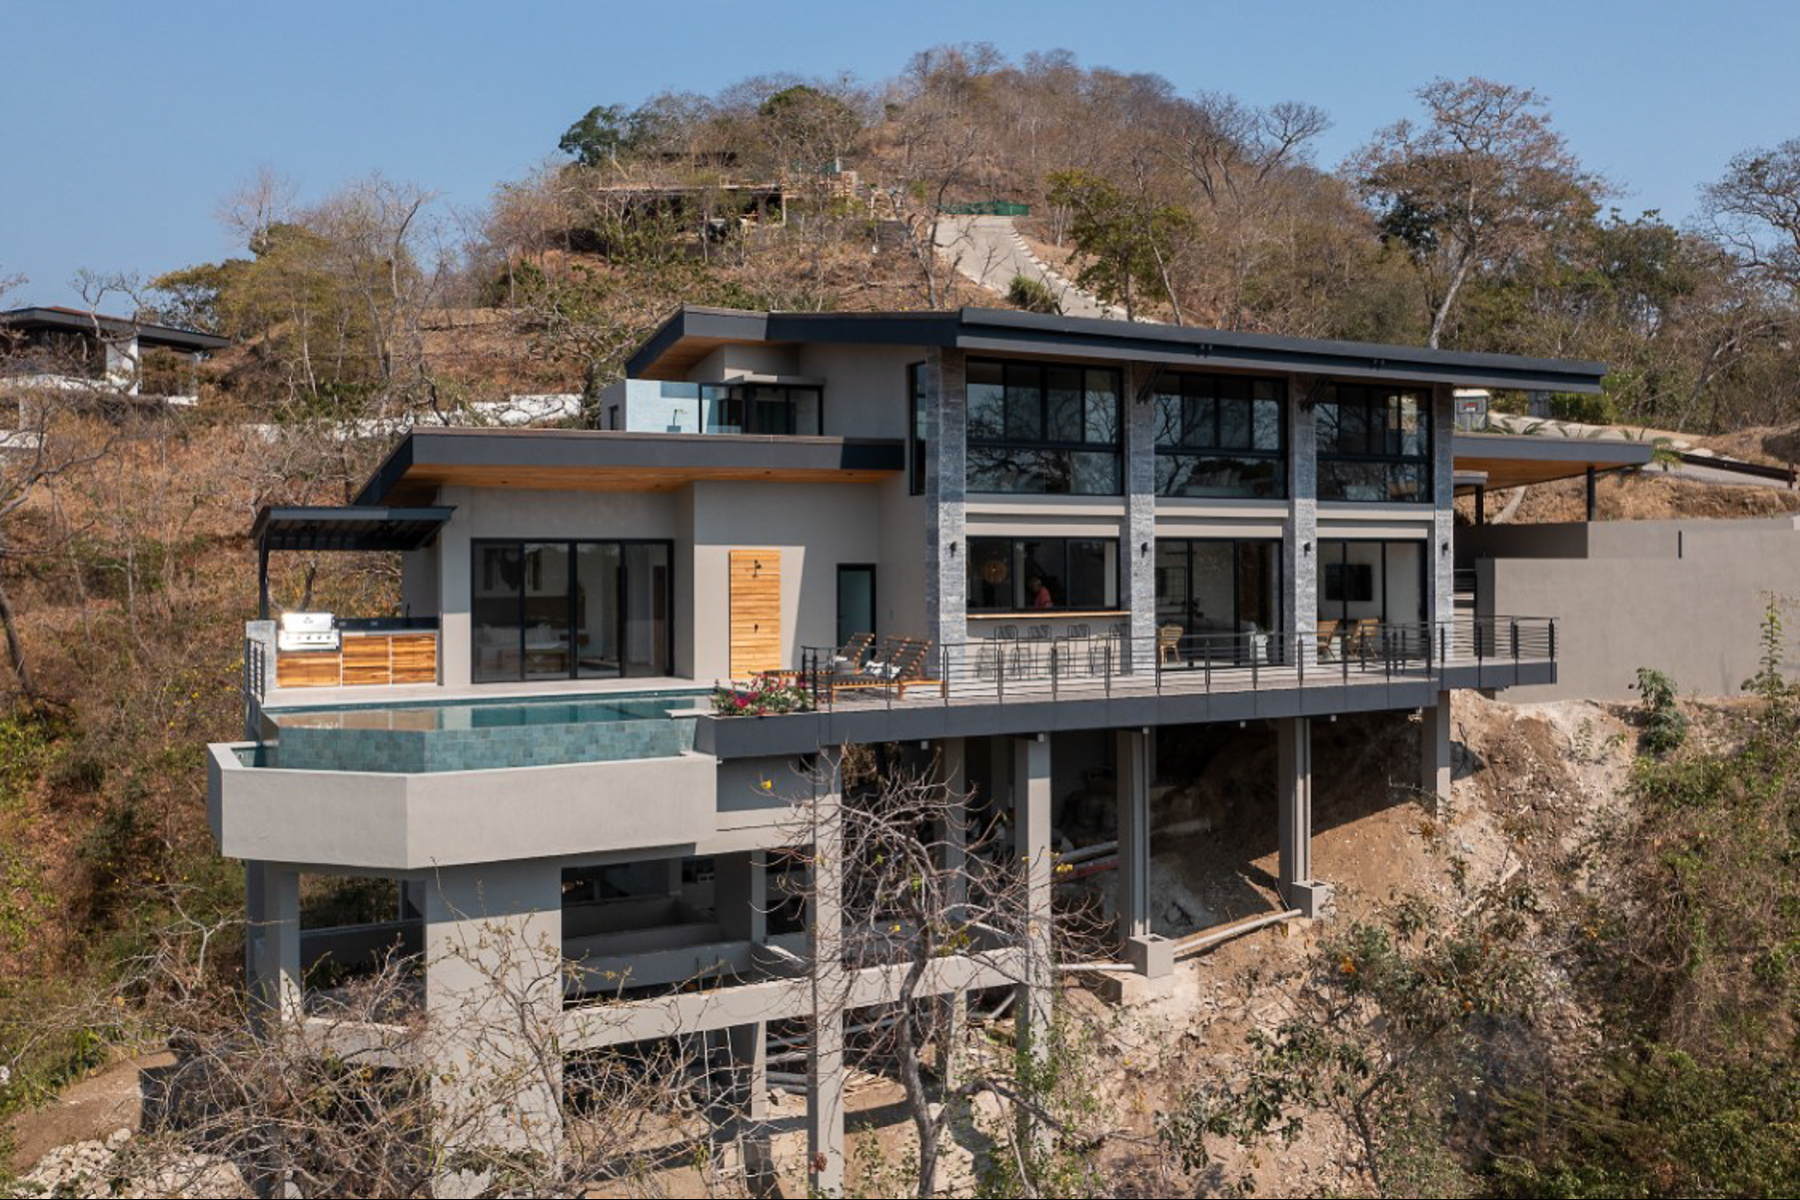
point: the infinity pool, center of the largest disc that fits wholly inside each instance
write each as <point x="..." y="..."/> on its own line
<point x="476" y="735"/>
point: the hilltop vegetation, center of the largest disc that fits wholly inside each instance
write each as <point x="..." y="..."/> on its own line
<point x="1469" y="222"/>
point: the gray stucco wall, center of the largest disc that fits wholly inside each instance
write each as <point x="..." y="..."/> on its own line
<point x="1685" y="597"/>
<point x="816" y="526"/>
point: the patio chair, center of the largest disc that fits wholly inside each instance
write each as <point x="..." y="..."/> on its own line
<point x="847" y="657"/>
<point x="1362" y="636"/>
<point x="1168" y="645"/>
<point x="1327" y="634"/>
<point x="908" y="667"/>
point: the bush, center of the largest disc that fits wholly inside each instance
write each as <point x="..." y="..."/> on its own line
<point x="1032" y="295"/>
<point x="1665" y="728"/>
<point x="763" y="696"/>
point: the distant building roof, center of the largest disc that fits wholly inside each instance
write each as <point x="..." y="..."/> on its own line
<point x="74" y="320"/>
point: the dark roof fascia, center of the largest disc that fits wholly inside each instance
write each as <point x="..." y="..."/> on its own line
<point x="577" y="448"/>
<point x="145" y="332"/>
<point x="317" y="527"/>
<point x="1607" y="453"/>
<point x="1007" y="331"/>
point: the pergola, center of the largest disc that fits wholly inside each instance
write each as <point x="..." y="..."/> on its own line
<point x="356" y="527"/>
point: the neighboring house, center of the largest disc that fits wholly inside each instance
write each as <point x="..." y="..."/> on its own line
<point x="66" y="348"/>
<point x="1090" y="530"/>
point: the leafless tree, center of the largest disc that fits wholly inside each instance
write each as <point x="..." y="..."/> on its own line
<point x="926" y="880"/>
<point x="1755" y="210"/>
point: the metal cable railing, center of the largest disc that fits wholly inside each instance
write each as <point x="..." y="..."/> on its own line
<point x="1015" y="669"/>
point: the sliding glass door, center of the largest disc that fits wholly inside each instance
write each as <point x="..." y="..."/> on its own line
<point x="1381" y="581"/>
<point x="568" y="610"/>
<point x="1224" y="594"/>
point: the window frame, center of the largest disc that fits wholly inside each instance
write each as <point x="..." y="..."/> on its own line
<point x="1237" y="544"/>
<point x="1195" y="385"/>
<point x="1116" y="448"/>
<point x="741" y="397"/>
<point x="1382" y="582"/>
<point x="1380" y="401"/>
<point x="570" y="546"/>
<point x="1012" y="543"/>
<point x="915" y="434"/>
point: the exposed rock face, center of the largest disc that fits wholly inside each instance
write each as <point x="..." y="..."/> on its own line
<point x="118" y="1167"/>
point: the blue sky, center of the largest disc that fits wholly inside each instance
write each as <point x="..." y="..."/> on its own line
<point x="129" y="122"/>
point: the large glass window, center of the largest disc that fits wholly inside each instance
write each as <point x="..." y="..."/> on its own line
<point x="1374" y="443"/>
<point x="1043" y="574"/>
<point x="1043" y="428"/>
<point x="1220" y="435"/>
<point x="765" y="408"/>
<point x="1218" y="586"/>
<point x="1370" y="580"/>
<point x="565" y="609"/>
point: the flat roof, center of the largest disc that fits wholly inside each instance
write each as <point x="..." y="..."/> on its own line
<point x="309" y="527"/>
<point x="1519" y="460"/>
<point x="692" y="332"/>
<point x="148" y="333"/>
<point x="616" y="461"/>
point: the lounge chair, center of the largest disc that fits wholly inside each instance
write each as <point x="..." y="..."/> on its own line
<point x="908" y="667"/>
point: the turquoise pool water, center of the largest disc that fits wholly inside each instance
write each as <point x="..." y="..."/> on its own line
<point x="476" y="735"/>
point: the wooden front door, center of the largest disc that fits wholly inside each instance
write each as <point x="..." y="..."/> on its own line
<point x="755" y="612"/>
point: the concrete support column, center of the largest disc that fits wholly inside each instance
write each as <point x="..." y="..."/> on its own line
<point x="953" y="766"/>
<point x="946" y="478"/>
<point x="1300" y="535"/>
<point x="1434" y="752"/>
<point x="1139" y="543"/>
<point x="1294" y="869"/>
<point x="1153" y="957"/>
<point x="825" y="1058"/>
<point x="493" y="1003"/>
<point x="1031" y="842"/>
<point x="272" y="945"/>
<point x="741" y="907"/>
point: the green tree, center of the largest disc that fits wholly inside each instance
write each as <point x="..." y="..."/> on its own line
<point x="598" y="137"/>
<point x="1125" y="240"/>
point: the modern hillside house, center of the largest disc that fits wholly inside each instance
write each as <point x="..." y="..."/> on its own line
<point x="65" y="348"/>
<point x="1018" y="547"/>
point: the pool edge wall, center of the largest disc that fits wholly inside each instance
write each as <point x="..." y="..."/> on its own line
<point x="405" y="822"/>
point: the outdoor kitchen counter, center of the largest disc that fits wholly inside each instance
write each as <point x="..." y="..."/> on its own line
<point x="368" y="658"/>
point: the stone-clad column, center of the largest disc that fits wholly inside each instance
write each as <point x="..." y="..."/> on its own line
<point x="1140" y="515"/>
<point x="1443" y="488"/>
<point x="946" y="476"/>
<point x="1300" y="540"/>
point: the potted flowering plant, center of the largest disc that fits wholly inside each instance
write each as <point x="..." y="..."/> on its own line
<point x="762" y="696"/>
